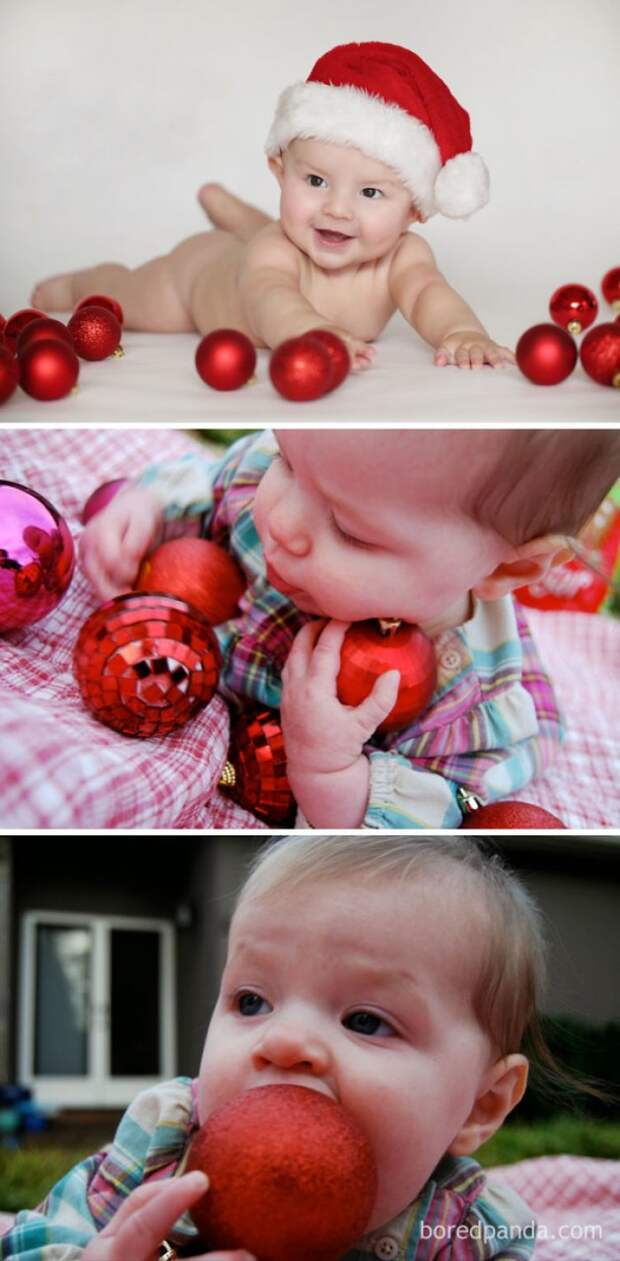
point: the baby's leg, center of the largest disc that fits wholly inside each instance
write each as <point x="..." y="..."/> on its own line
<point x="231" y="213"/>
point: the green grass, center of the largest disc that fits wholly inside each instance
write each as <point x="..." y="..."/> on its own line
<point x="27" y="1174"/>
<point x="222" y="436"/>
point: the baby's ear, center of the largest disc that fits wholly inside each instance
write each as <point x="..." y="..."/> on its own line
<point x="502" y="1089"/>
<point x="527" y="563"/>
<point x="276" y="166"/>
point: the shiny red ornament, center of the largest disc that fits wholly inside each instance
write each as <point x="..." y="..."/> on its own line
<point x="100" y="299"/>
<point x="255" y="773"/>
<point x="196" y="570"/>
<point x="338" y="354"/>
<point x="573" y="307"/>
<point x="48" y="369"/>
<point x="17" y="322"/>
<point x="368" y="651"/>
<point x="514" y="815"/>
<point x="95" y="332"/>
<point x="546" y="354"/>
<point x="145" y="664"/>
<point x="292" y="1176"/>
<point x="101" y="497"/>
<point x="37" y="557"/>
<point x="225" y="359"/>
<point x="9" y="374"/>
<point x="301" y="369"/>
<point x="2" y="328"/>
<point x="42" y="330"/>
<point x="600" y="354"/>
<point x="610" y="286"/>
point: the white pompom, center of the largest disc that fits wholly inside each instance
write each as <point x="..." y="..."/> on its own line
<point x="462" y="186"/>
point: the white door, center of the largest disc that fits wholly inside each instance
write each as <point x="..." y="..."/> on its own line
<point x="97" y="1007"/>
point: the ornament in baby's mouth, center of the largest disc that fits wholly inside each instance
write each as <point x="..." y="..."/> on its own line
<point x="292" y="1176"/>
<point x="371" y="648"/>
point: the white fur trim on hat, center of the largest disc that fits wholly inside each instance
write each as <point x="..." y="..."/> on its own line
<point x="462" y="186"/>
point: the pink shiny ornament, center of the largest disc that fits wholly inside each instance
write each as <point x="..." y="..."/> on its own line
<point x="37" y="556"/>
<point x="101" y="497"/>
<point x="610" y="286"/>
<point x="573" y="307"/>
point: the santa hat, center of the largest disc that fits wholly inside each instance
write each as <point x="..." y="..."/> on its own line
<point x="386" y="101"/>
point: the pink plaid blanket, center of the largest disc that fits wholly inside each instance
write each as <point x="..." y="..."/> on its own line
<point x="576" y="1201"/>
<point x="61" y="769"/>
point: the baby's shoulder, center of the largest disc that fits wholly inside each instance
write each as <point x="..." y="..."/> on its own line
<point x="411" y="251"/>
<point x="272" y="248"/>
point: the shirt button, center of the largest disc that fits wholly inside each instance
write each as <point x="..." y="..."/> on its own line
<point x="450" y="660"/>
<point x="386" y="1248"/>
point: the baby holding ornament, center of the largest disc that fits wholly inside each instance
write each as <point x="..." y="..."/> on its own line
<point x="331" y="527"/>
<point x="371" y="143"/>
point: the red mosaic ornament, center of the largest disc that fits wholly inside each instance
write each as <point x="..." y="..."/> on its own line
<point x="610" y="286"/>
<point x="338" y="354"/>
<point x="145" y="664"/>
<point x="546" y="354"/>
<point x="95" y="332"/>
<point x="225" y="359"/>
<point x="372" y="647"/>
<point x="196" y="570"/>
<point x="37" y="557"/>
<point x="573" y="307"/>
<point x="48" y="369"/>
<point x="514" y="815"/>
<point x="101" y="497"/>
<point x="292" y="1176"/>
<point x="255" y="773"/>
<point x="17" y="322"/>
<point x="600" y="354"/>
<point x="9" y="374"/>
<point x="42" y="330"/>
<point x="100" y="299"/>
<point x="301" y="369"/>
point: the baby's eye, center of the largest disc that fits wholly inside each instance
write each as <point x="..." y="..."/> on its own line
<point x="373" y="194"/>
<point x="350" y="538"/>
<point x="251" y="1004"/>
<point x="316" y="181"/>
<point x="368" y="1023"/>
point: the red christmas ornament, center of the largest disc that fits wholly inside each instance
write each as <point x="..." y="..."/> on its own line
<point x="225" y="359"/>
<point x="95" y="332"/>
<point x="368" y="651"/>
<point x="546" y="354"/>
<point x="600" y="354"/>
<point x="101" y="497"/>
<point x="291" y="1176"/>
<point x="514" y="815"/>
<point x="37" y="556"/>
<point x="42" y="330"/>
<point x="2" y="328"/>
<point x="100" y="299"/>
<point x="573" y="307"/>
<point x="255" y="774"/>
<point x="198" y="571"/>
<point x="610" y="285"/>
<point x="145" y="664"/>
<point x="17" y="322"/>
<point x="337" y="351"/>
<point x="9" y="374"/>
<point x="301" y="369"/>
<point x="48" y="369"/>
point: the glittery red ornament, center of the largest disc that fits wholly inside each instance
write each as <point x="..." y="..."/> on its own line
<point x="37" y="556"/>
<point x="600" y="354"/>
<point x="573" y="307"/>
<point x="367" y="652"/>
<point x="95" y="332"/>
<point x="9" y="374"/>
<point x="610" y="286"/>
<point x="338" y="354"/>
<point x="17" y="322"/>
<point x="255" y="774"/>
<point x="225" y="359"/>
<point x="514" y="815"/>
<point x="100" y="299"/>
<point x="196" y="570"/>
<point x="291" y="1174"/>
<point x="42" y="330"/>
<point x="48" y="369"/>
<point x="145" y="663"/>
<point x="546" y="354"/>
<point x="101" y="497"/>
<point x="301" y="369"/>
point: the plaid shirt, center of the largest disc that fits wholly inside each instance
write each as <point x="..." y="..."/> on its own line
<point x="492" y="723"/>
<point x="457" y="1216"/>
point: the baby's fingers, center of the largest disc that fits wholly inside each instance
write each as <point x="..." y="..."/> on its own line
<point x="144" y="1219"/>
<point x="380" y="701"/>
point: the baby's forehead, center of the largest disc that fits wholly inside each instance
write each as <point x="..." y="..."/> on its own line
<point x="309" y="149"/>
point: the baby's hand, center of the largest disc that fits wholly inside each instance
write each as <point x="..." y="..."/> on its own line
<point x="361" y="353"/>
<point x="115" y="541"/>
<point x="472" y="350"/>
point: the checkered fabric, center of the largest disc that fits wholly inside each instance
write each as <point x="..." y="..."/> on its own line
<point x="576" y="1201"/>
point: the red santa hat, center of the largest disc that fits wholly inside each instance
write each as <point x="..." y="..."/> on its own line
<point x="386" y="101"/>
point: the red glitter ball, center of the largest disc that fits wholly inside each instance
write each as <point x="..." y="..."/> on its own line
<point x="196" y="570"/>
<point x="600" y="354"/>
<point x="258" y="781"/>
<point x="100" y="299"/>
<point x="225" y="359"/>
<point x="573" y="307"/>
<point x="610" y="286"/>
<point x="513" y="815"/>
<point x="95" y="332"/>
<point x="17" y="322"/>
<point x="367" y="652"/>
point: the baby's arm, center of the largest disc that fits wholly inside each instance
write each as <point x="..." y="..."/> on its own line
<point x="437" y="312"/>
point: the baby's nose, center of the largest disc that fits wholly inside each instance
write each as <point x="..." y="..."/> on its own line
<point x="287" y="1046"/>
<point x="338" y="204"/>
<point x="288" y="532"/>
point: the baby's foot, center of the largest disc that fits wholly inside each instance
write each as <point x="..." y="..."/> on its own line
<point x="231" y="213"/>
<point x="54" y="294"/>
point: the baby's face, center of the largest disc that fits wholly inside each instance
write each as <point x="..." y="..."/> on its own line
<point x="370" y="524"/>
<point x="356" y="990"/>
<point x="339" y="206"/>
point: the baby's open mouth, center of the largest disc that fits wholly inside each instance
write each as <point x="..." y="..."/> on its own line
<point x="333" y="238"/>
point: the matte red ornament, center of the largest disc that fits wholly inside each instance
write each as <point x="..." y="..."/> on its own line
<point x="546" y="354"/>
<point x="292" y="1176"/>
<point x="101" y="497"/>
<point x="145" y="663"/>
<point x="100" y="299"/>
<point x="301" y="369"/>
<point x="42" y="330"/>
<point x="196" y="570"/>
<point x="573" y="307"/>
<point x="338" y="354"/>
<point x="17" y="322"/>
<point x="255" y="773"/>
<point x="367" y="652"/>
<point x="9" y="374"/>
<point x="37" y="557"/>
<point x="225" y="359"/>
<point x="514" y="815"/>
<point x="48" y="369"/>
<point x="95" y="332"/>
<point x="600" y="354"/>
<point x="610" y="286"/>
